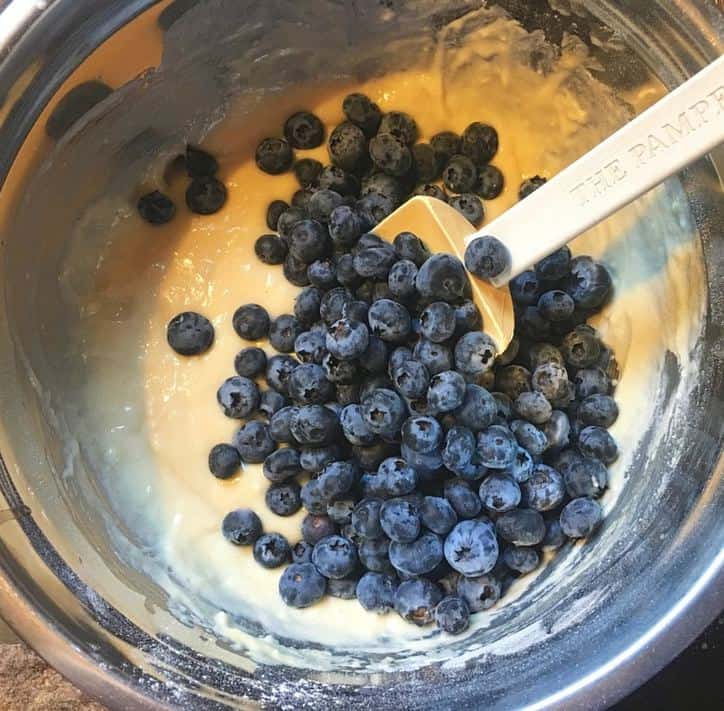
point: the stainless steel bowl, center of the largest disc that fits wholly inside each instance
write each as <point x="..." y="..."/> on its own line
<point x="652" y="580"/>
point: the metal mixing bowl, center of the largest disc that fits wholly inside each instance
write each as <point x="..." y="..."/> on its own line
<point x="652" y="580"/>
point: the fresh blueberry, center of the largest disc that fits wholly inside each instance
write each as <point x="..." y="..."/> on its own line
<point x="480" y="143"/>
<point x="332" y="304"/>
<point x="322" y="203"/>
<point x="401" y="279"/>
<point x="438" y="515"/>
<point x="598" y="410"/>
<point x="409" y="246"/>
<point x="307" y="303"/>
<point x="366" y="518"/>
<point x="304" y="130"/>
<point x="395" y="477"/>
<point x="390" y="154"/>
<point x="557" y="430"/>
<point x="190" y="333"/>
<point x="478" y="409"/>
<point x="554" y="537"/>
<point x="270" y="249"/>
<point x="426" y="465"/>
<point x="283" y="499"/>
<point x="505" y="408"/>
<point x="497" y="447"/>
<point x="436" y="357"/>
<point x="544" y="489"/>
<point x="278" y="370"/>
<point x="314" y="459"/>
<point x="533" y="406"/>
<point x="475" y="353"/>
<point x="446" y="145"/>
<point x="274" y="156"/>
<point x="513" y="380"/>
<point x="446" y="392"/>
<point x="224" y="461"/>
<point x="156" y="208"/>
<point x="389" y="321"/>
<point x="521" y="527"/>
<point x="541" y="353"/>
<point x="398" y="356"/>
<point x="341" y="181"/>
<point x="358" y="311"/>
<point x="459" y="450"/>
<point x="301" y="198"/>
<point x="383" y="411"/>
<point x="287" y="220"/>
<point x="344" y="588"/>
<point x="301" y="585"/>
<point x="347" y="147"/>
<point x="430" y="190"/>
<point x="525" y="289"/>
<point x="415" y="601"/>
<point x="308" y="241"/>
<point x="254" y="442"/>
<point x="373" y="554"/>
<point x="437" y="321"/>
<point x="462" y="498"/>
<point x="426" y="164"/>
<point x="347" y="339"/>
<point x="551" y="380"/>
<point x="373" y="208"/>
<point x="480" y="593"/>
<point x="490" y="182"/>
<point x="322" y="273"/>
<point x="486" y="257"/>
<point x="308" y="385"/>
<point x="340" y="511"/>
<point x="272" y="550"/>
<point x="295" y="271"/>
<point x="586" y="477"/>
<point x="274" y="212"/>
<point x="363" y="112"/>
<point x="283" y="331"/>
<point x="460" y="174"/>
<point x="241" y="527"/>
<point x="531" y="324"/>
<point x="340" y="372"/>
<point x="591" y="381"/>
<point x="589" y="283"/>
<point x="555" y="266"/>
<point x="400" y="520"/>
<point x="469" y="206"/>
<point x="467" y="318"/>
<point x="411" y="379"/>
<point x="315" y="504"/>
<point x="580" y="517"/>
<point x="422" y="434"/>
<point x="581" y="348"/>
<point x="282" y="465"/>
<point x="316" y="527"/>
<point x="556" y="305"/>
<point x="530" y="185"/>
<point x="307" y="172"/>
<point x="375" y="262"/>
<point x="386" y="185"/>
<point x="521" y="560"/>
<point x="238" y="397"/>
<point x="376" y="592"/>
<point x="499" y="493"/>
<point x="354" y="427"/>
<point x="302" y="552"/>
<point x="335" y="557"/>
<point x="597" y="443"/>
<point x="452" y="615"/>
<point x="419" y="557"/>
<point x="337" y="478"/>
<point x="270" y="402"/>
<point x="471" y="548"/>
<point x="315" y="425"/>
<point x="251" y="322"/>
<point x="345" y="226"/>
<point x="279" y="425"/>
<point x="529" y="437"/>
<point x="400" y="125"/>
<point x="199" y="163"/>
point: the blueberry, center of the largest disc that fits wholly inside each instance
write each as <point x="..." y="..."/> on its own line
<point x="436" y="357"/>
<point x="199" y="163"/>
<point x="430" y="190"/>
<point x="556" y="305"/>
<point x="274" y="156"/>
<point x="278" y="370"/>
<point x="442" y="277"/>
<point x="422" y="434"/>
<point x="270" y="402"/>
<point x="340" y="372"/>
<point x="580" y="517"/>
<point x="505" y="408"/>
<point x="190" y="333"/>
<point x="557" y="430"/>
<point x="238" y="397"/>
<point x="551" y="380"/>
<point x="347" y="339"/>
<point x="521" y="527"/>
<point x="437" y="321"/>
<point x="400" y="125"/>
<point x="446" y="392"/>
<point x="224" y="461"/>
<point x="480" y="593"/>
<point x="597" y="443"/>
<point x="274" y="212"/>
<point x="322" y="203"/>
<point x="462" y="498"/>
<point x="254" y="442"/>
<point x="156" y="208"/>
<point x="345" y="226"/>
<point x="460" y="174"/>
<point x="532" y="325"/>
<point x="395" y="477"/>
<point x="342" y="182"/>
<point x="373" y="554"/>
<point x="302" y="197"/>
<point x="541" y="353"/>
<point x="205" y="195"/>
<point x="478" y="408"/>
<point x="497" y="447"/>
<point x="283" y="332"/>
<point x="586" y="477"/>
<point x="363" y="112"/>
<point x="317" y="527"/>
<point x="308" y="385"/>
<point x="534" y="407"/>
<point x="304" y="130"/>
<point x="425" y="464"/>
<point x="418" y="557"/>
<point x="383" y="411"/>
<point x="499" y="493"/>
<point x="390" y="154"/>
<point x="279" y="425"/>
<point x="376" y="592"/>
<point x="409" y="246"/>
<point x="315" y="504"/>
<point x="589" y="283"/>
<point x="467" y="318"/>
<point x="354" y="427"/>
<point x="581" y="348"/>
<point x="475" y="353"/>
<point x="530" y="185"/>
<point x="306" y="305"/>
<point x="283" y="499"/>
<point x="598" y="410"/>
<point x="347" y="147"/>
<point x="411" y="379"/>
<point x="272" y="550"/>
<point x="401" y="279"/>
<point x="301" y="585"/>
<point x="308" y="241"/>
<point x="400" y="520"/>
<point x="335" y="557"/>
<point x="521" y="560"/>
<point x="322" y="273"/>
<point x="545" y="489"/>
<point x="415" y="601"/>
<point x="241" y="527"/>
<point x="344" y="588"/>
<point x="555" y="266"/>
<point x="525" y="289"/>
<point x="347" y="394"/>
<point x="251" y="322"/>
<point x="438" y="515"/>
<point x="480" y="143"/>
<point x="513" y="380"/>
<point x="459" y="450"/>
<point x="469" y="206"/>
<point x="332" y="304"/>
<point x="486" y="257"/>
<point x="446" y="145"/>
<point x="490" y="182"/>
<point x="366" y="518"/>
<point x="358" y="311"/>
<point x="398" y="356"/>
<point x="374" y="358"/>
<point x="270" y="249"/>
<point x="302" y="552"/>
<point x="452" y="615"/>
<point x="340" y="511"/>
<point x="591" y="381"/>
<point x="374" y="207"/>
<point x="295" y="271"/>
<point x="375" y="262"/>
<point x="337" y="478"/>
<point x="315" y="425"/>
<point x="554" y="537"/>
<point x="282" y="465"/>
<point x="389" y="321"/>
<point x="287" y="220"/>
<point x="529" y="437"/>
<point x="426" y="164"/>
<point x="307" y="172"/>
<point x="471" y="548"/>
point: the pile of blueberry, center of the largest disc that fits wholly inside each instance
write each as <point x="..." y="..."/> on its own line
<point x="433" y="469"/>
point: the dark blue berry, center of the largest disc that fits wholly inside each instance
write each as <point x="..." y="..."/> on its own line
<point x="425" y="464"/>
<point x="400" y="125"/>
<point x="544" y="489"/>
<point x="340" y="511"/>
<point x="386" y="185"/>
<point x="347" y="147"/>
<point x="340" y="372"/>
<point x="295" y="271"/>
<point x="437" y="321"/>
<point x="322" y="273"/>
<point x="557" y="430"/>
<point x="301" y="585"/>
<point x="270" y="402"/>
<point x="462" y="498"/>
<point x="283" y="331"/>
<point x="471" y="548"/>
<point x="322" y="203"/>
<point x="411" y="379"/>
<point x="376" y="592"/>
<point x="274" y="156"/>
<point x="282" y="465"/>
<point x="383" y="411"/>
<point x="401" y="279"/>
<point x="390" y="154"/>
<point x="308" y="241"/>
<point x="251" y="322"/>
<point x="525" y="289"/>
<point x="490" y="182"/>
<point x="521" y="527"/>
<point x="341" y="181"/>
<point x="395" y="477"/>
<point x="581" y="348"/>
<point x="254" y="442"/>
<point x="302" y="552"/>
<point x="272" y="550"/>
<point x="459" y="450"/>
<point x="357" y="311"/>
<point x="344" y="588"/>
<point x="597" y="443"/>
<point x="478" y="409"/>
<point x="532" y="325"/>
<point x="375" y="262"/>
<point x="238" y="397"/>
<point x="241" y="527"/>
<point x="363" y="112"/>
<point x="280" y="423"/>
<point x="475" y="353"/>
<point x="469" y="206"/>
<point x="533" y="406"/>
<point x="308" y="385"/>
<point x="332" y="305"/>
<point x="278" y="370"/>
<point x="389" y="321"/>
<point x="190" y="333"/>
<point x="345" y="226"/>
<point x="317" y="527"/>
<point x="307" y="303"/>
<point x="426" y="164"/>
<point x="415" y="601"/>
<point x="438" y="515"/>
<point x="486" y="257"/>
<point x="270" y="249"/>
<point x="422" y="434"/>
<point x="460" y="174"/>
<point x="529" y="437"/>
<point x="585" y="477"/>
<point x="452" y="615"/>
<point x="497" y="447"/>
<point x="442" y="277"/>
<point x="499" y="493"/>
<point x="554" y="537"/>
<point x="555" y="266"/>
<point x="205" y="195"/>
<point x="588" y="283"/>
<point x="337" y="478"/>
<point x="530" y="185"/>
<point x="409" y="246"/>
<point x="522" y="466"/>
<point x="287" y="220"/>
<point x="283" y="499"/>
<point x="373" y="554"/>
<point x="224" y="461"/>
<point x="307" y="172"/>
<point x="591" y="381"/>
<point x="400" y="520"/>
<point x="598" y="410"/>
<point x="419" y="557"/>
<point x="304" y="130"/>
<point x="436" y="357"/>
<point x="480" y="142"/>
<point x="373" y="208"/>
<point x="480" y="593"/>
<point x="315" y="504"/>
<point x="347" y="339"/>
<point x="315" y="425"/>
<point x="446" y="145"/>
<point x="580" y="517"/>
<point x="366" y="518"/>
<point x="556" y="305"/>
<point x="354" y="427"/>
<point x="301" y="198"/>
<point x="335" y="557"/>
<point x="521" y="560"/>
<point x="156" y="208"/>
<point x="431" y="190"/>
<point x="274" y="212"/>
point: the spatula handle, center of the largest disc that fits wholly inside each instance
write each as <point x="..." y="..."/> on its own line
<point x="675" y="131"/>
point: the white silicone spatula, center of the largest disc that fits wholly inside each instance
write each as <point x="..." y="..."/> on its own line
<point x="675" y="131"/>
